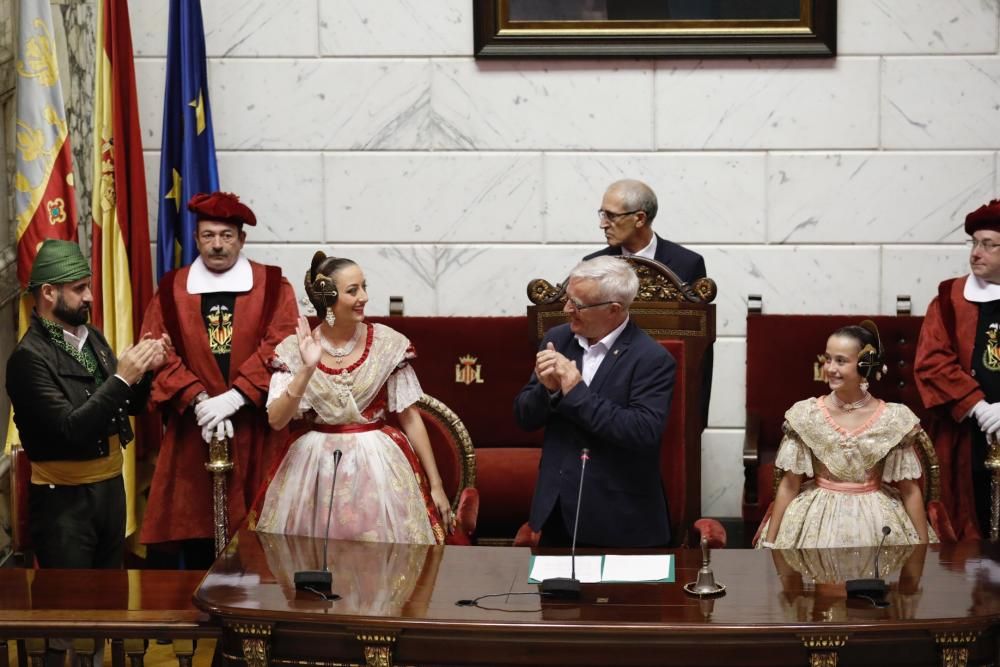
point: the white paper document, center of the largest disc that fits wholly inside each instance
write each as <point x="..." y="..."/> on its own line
<point x="588" y="568"/>
<point x="654" y="567"/>
<point x="610" y="568"/>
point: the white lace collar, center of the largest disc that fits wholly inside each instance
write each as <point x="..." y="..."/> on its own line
<point x="978" y="290"/>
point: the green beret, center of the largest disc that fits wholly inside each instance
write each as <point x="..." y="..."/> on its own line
<point x="58" y="262"/>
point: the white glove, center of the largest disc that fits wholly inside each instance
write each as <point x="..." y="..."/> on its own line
<point x="223" y="430"/>
<point x="988" y="416"/>
<point x="213" y="410"/>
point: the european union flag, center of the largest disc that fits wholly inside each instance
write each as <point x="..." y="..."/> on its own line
<point x="187" y="155"/>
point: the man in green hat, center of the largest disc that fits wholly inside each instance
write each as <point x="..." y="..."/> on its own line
<point x="71" y="400"/>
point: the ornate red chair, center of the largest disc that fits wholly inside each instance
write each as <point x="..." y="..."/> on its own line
<point x="682" y="318"/>
<point x="783" y="367"/>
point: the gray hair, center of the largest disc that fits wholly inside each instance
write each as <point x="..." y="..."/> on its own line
<point x="637" y="196"/>
<point x="614" y="276"/>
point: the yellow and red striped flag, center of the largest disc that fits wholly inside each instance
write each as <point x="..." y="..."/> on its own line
<point x="44" y="197"/>
<point x="120" y="250"/>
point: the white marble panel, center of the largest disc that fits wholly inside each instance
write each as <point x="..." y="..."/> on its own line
<point x="284" y="190"/>
<point x="578" y="105"/>
<point x="722" y="473"/>
<point x="386" y="275"/>
<point x="150" y="76"/>
<point x="729" y="384"/>
<point x="792" y="280"/>
<point x="730" y="104"/>
<point x="395" y="28"/>
<point x="917" y="271"/>
<point x="233" y="27"/>
<point x="433" y="197"/>
<point x="493" y="280"/>
<point x="874" y="197"/>
<point x="941" y="103"/>
<point x="303" y="104"/>
<point x="916" y="27"/>
<point x="702" y="197"/>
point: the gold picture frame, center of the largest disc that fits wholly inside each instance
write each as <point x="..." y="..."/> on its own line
<point x="654" y="28"/>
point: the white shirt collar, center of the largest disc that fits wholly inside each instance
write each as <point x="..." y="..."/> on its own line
<point x="237" y="279"/>
<point x="607" y="341"/>
<point x="649" y="252"/>
<point x="978" y="290"/>
<point x="76" y="338"/>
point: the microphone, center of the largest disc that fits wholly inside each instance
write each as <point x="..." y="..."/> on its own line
<point x="321" y="581"/>
<point x="561" y="587"/>
<point x="873" y="590"/>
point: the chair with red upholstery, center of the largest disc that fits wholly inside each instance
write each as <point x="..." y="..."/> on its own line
<point x="456" y="461"/>
<point x="20" y="478"/>
<point x="784" y="366"/>
<point x="682" y="318"/>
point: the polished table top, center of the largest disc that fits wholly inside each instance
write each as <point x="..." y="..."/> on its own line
<point x="407" y="586"/>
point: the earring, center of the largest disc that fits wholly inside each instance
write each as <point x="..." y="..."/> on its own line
<point x="330" y="318"/>
<point x="864" y="386"/>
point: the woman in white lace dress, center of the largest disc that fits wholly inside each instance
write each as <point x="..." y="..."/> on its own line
<point x="839" y="454"/>
<point x="333" y="386"/>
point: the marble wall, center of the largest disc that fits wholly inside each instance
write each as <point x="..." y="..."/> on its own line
<point x="828" y="186"/>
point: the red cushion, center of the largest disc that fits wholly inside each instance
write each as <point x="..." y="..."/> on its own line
<point x="713" y="531"/>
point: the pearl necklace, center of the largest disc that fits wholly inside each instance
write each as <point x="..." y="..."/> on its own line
<point x="851" y="407"/>
<point x="339" y="353"/>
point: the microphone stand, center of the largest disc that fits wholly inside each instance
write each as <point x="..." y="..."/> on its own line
<point x="561" y="587"/>
<point x="873" y="590"/>
<point x="321" y="581"/>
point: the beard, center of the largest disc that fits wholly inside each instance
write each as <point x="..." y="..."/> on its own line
<point x="73" y="317"/>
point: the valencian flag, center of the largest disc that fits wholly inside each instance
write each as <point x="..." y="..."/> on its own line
<point x="187" y="156"/>
<point x="120" y="253"/>
<point x="44" y="197"/>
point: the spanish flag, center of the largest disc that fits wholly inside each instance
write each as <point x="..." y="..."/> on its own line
<point x="44" y="197"/>
<point x="120" y="250"/>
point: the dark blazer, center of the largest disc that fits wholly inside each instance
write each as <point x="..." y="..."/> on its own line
<point x="687" y="264"/>
<point x="60" y="412"/>
<point x="620" y="417"/>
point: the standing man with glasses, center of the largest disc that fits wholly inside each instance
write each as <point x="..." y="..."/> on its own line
<point x="957" y="371"/>
<point x="626" y="218"/>
<point x="225" y="314"/>
<point x="603" y="384"/>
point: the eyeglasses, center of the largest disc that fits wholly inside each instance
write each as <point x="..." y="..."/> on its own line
<point x="985" y="244"/>
<point x="611" y="216"/>
<point x="577" y="306"/>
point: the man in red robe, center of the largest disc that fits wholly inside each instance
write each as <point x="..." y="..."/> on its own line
<point x="957" y="371"/>
<point x="224" y="314"/>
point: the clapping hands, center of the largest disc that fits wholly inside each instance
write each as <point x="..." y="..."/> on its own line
<point x="146" y="355"/>
<point x="555" y="371"/>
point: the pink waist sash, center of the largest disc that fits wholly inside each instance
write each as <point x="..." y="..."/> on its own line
<point x="848" y="487"/>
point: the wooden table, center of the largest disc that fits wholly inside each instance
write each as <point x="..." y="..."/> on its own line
<point x="398" y="606"/>
<point x="126" y="606"/>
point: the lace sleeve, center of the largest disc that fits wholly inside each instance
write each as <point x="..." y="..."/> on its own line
<point x="901" y="463"/>
<point x="403" y="388"/>
<point x="279" y="385"/>
<point x="793" y="454"/>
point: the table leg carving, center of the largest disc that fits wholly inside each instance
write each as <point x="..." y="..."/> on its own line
<point x="378" y="648"/>
<point x="954" y="647"/>
<point x="135" y="651"/>
<point x="85" y="649"/>
<point x="256" y="641"/>
<point x="184" y="652"/>
<point x="823" y="649"/>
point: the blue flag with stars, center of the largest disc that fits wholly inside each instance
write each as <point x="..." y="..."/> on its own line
<point x="187" y="154"/>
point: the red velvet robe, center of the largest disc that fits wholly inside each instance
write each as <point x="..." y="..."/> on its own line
<point x="180" y="500"/>
<point x="942" y="373"/>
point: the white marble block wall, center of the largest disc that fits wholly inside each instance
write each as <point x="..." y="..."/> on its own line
<point x="367" y="128"/>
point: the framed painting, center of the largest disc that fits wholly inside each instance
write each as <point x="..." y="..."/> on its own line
<point x="654" y="28"/>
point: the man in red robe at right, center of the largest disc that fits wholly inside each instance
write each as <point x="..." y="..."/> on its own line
<point x="957" y="372"/>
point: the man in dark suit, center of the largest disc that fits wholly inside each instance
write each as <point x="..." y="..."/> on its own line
<point x="602" y="383"/>
<point x="627" y="212"/>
